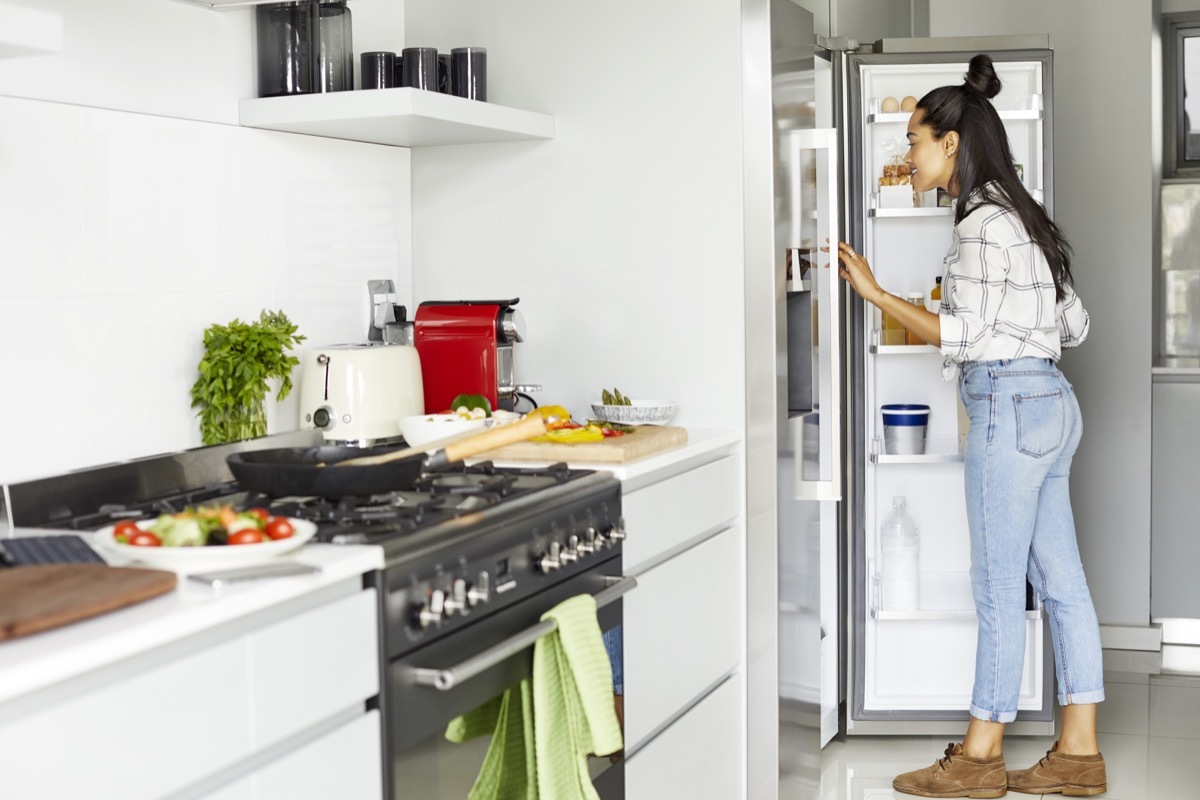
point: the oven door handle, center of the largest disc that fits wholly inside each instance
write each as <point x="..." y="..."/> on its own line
<point x="446" y="679"/>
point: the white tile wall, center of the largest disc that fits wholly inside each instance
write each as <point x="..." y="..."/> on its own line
<point x="123" y="236"/>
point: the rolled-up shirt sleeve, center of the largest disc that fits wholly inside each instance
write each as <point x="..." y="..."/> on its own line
<point x="1073" y="320"/>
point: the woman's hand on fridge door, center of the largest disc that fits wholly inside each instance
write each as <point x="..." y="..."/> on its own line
<point x="856" y="271"/>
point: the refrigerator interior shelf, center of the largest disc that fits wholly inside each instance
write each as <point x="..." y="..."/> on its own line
<point x="401" y="116"/>
<point x="944" y="614"/>
<point x="904" y="349"/>
<point x="794" y="286"/>
<point x="904" y="116"/>
<point x="938" y="211"/>
<point x="937" y="451"/>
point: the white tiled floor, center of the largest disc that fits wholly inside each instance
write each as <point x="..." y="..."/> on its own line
<point x="1149" y="733"/>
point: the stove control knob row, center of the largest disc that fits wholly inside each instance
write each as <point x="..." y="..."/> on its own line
<point x="431" y="612"/>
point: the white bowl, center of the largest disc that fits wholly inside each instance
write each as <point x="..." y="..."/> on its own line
<point x="639" y="412"/>
<point x="421" y="429"/>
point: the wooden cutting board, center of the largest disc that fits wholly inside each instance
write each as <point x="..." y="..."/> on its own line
<point x="39" y="597"/>
<point x="643" y="441"/>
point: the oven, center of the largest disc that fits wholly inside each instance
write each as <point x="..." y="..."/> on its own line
<point x="460" y="632"/>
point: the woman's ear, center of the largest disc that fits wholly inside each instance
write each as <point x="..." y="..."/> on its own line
<point x="950" y="143"/>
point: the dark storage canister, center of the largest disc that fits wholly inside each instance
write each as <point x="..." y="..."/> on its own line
<point x="303" y="47"/>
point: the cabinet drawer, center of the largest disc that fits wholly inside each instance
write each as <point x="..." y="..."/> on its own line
<point x="699" y="757"/>
<point x="201" y="712"/>
<point x="682" y="632"/>
<point x="345" y="764"/>
<point x="311" y="666"/>
<point x="666" y="514"/>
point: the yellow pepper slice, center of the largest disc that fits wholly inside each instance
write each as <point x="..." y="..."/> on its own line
<point x="588" y="433"/>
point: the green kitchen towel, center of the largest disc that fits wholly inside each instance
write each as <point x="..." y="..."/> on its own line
<point x="566" y="715"/>
<point x="508" y="771"/>
<point x="572" y="701"/>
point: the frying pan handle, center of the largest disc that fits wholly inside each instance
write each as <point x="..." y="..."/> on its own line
<point x="525" y="428"/>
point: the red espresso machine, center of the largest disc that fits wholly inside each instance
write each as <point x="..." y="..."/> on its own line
<point x="466" y="347"/>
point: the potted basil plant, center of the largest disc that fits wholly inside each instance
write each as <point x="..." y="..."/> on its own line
<point x="239" y="360"/>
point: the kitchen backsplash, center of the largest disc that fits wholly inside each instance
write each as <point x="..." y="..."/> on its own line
<point x="123" y="236"/>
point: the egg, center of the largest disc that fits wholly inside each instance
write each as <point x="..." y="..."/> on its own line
<point x="889" y="105"/>
<point x="908" y="103"/>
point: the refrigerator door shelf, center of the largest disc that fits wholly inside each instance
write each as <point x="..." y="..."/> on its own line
<point x="936" y="211"/>
<point x="904" y="350"/>
<point x="820" y="479"/>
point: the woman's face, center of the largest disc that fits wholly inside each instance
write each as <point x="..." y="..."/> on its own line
<point x="930" y="160"/>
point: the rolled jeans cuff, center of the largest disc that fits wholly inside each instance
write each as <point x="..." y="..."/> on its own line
<point x="992" y="716"/>
<point x="1080" y="698"/>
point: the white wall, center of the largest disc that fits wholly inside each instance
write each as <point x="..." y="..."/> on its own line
<point x="124" y="234"/>
<point x="1105" y="138"/>
<point x="623" y="235"/>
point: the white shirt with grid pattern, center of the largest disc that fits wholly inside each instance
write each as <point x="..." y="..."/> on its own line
<point x="998" y="298"/>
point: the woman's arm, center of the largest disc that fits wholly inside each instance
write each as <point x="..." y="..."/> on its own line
<point x="857" y="272"/>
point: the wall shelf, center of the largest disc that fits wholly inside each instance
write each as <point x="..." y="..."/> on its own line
<point x="403" y="117"/>
<point x="29" y="32"/>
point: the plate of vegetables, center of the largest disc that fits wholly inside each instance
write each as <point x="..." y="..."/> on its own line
<point x="204" y="538"/>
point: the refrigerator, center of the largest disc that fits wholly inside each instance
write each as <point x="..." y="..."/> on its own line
<point x="852" y="658"/>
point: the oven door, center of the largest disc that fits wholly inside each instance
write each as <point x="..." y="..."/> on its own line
<point x="430" y="686"/>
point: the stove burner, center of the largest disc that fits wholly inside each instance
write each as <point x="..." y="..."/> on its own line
<point x="466" y="483"/>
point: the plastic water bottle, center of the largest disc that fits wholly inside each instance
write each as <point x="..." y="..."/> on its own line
<point x="899" y="545"/>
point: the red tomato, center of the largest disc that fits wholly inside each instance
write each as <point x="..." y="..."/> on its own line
<point x="145" y="539"/>
<point x="261" y="513"/>
<point x="125" y="530"/>
<point x="245" y="536"/>
<point x="279" y="528"/>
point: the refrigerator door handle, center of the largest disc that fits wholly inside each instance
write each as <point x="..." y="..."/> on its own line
<point x="826" y="313"/>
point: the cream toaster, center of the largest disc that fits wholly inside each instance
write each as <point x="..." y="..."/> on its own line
<point x="357" y="393"/>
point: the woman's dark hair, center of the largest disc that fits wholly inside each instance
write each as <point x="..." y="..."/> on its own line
<point x="984" y="172"/>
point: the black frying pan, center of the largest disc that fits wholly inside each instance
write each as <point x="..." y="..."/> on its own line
<point x="333" y="471"/>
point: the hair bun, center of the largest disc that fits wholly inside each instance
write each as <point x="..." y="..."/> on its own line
<point x="981" y="77"/>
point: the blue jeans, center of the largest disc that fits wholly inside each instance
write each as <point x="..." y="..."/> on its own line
<point x="1025" y="428"/>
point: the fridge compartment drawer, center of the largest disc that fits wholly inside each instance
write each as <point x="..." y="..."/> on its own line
<point x="922" y="665"/>
<point x="942" y="595"/>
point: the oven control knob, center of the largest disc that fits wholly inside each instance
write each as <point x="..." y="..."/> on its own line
<point x="480" y="592"/>
<point x="431" y="613"/>
<point x="573" y="550"/>
<point x="588" y="545"/>
<point x="617" y="533"/>
<point x="550" y="561"/>
<point x="601" y="542"/>
<point x="456" y="603"/>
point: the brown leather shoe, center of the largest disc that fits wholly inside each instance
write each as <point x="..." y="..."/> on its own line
<point x="1055" y="772"/>
<point x="956" y="775"/>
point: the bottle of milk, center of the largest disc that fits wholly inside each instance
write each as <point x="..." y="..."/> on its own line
<point x="899" y="546"/>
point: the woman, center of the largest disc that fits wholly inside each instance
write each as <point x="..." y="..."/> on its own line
<point x="1007" y="309"/>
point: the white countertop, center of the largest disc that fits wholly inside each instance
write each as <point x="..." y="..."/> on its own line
<point x="34" y="662"/>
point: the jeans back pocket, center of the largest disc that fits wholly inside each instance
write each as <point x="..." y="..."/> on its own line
<point x="1041" y="422"/>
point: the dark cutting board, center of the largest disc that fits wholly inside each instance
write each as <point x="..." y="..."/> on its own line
<point x="39" y="597"/>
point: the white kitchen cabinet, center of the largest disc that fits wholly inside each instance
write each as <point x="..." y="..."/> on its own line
<point x="28" y="31"/>
<point x="684" y="631"/>
<point x="211" y="708"/>
<point x="699" y="757"/>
